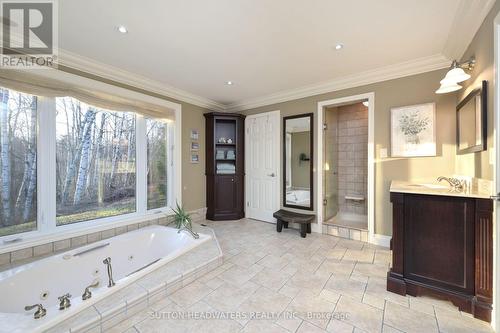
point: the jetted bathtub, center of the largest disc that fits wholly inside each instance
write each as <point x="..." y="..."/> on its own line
<point x="133" y="255"/>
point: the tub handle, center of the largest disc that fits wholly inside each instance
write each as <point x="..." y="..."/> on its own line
<point x="40" y="310"/>
<point x="65" y="301"/>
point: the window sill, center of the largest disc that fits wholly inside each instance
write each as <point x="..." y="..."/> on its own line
<point x="36" y="238"/>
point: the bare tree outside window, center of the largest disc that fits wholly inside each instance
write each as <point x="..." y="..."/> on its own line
<point x="95" y="162"/>
<point x="157" y="163"/>
<point x="18" y="169"/>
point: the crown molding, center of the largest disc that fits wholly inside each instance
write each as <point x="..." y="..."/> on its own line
<point x="468" y="18"/>
<point x="403" y="69"/>
<point x="108" y="72"/>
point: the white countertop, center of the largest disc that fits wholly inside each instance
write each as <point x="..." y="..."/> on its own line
<point x="477" y="190"/>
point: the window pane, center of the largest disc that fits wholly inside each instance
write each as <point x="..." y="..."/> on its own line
<point x="18" y="130"/>
<point x="157" y="163"/>
<point x="95" y="162"/>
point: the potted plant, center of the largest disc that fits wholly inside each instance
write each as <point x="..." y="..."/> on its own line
<point x="182" y="218"/>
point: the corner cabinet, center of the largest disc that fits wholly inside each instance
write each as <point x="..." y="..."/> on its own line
<point x="442" y="245"/>
<point x="225" y="165"/>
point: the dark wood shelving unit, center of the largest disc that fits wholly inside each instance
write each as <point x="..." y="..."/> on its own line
<point x="225" y="191"/>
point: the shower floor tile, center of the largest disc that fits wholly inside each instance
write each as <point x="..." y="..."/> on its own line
<point x="360" y="225"/>
<point x="346" y="228"/>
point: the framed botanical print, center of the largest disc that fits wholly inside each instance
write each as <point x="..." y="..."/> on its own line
<point x="413" y="130"/>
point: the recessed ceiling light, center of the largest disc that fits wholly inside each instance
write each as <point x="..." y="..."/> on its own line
<point x="339" y="46"/>
<point x="122" y="29"/>
<point x="229" y="83"/>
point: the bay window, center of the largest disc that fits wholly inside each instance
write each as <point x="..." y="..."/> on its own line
<point x="96" y="164"/>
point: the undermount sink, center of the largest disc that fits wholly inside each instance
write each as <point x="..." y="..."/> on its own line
<point x="431" y="186"/>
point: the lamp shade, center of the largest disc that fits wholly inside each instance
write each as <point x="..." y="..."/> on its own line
<point x="456" y="75"/>
<point x="447" y="87"/>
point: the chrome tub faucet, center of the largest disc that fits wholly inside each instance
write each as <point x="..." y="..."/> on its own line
<point x="107" y="262"/>
<point x="190" y="231"/>
<point x="64" y="301"/>
<point x="87" y="294"/>
<point x="40" y="310"/>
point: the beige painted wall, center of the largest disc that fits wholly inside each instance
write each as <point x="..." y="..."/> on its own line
<point x="399" y="92"/>
<point x="193" y="175"/>
<point x="478" y="164"/>
<point x="404" y="91"/>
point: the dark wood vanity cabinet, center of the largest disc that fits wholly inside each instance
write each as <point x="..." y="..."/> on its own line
<point x="443" y="246"/>
<point x="225" y="169"/>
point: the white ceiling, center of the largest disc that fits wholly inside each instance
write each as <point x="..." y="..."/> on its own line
<point x="264" y="46"/>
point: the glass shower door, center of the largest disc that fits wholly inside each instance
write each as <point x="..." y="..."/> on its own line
<point x="330" y="167"/>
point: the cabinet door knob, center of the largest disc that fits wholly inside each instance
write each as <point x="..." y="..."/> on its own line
<point x="272" y="175"/>
<point x="232" y="179"/>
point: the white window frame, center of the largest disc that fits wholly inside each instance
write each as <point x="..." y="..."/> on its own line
<point x="171" y="197"/>
<point x="46" y="226"/>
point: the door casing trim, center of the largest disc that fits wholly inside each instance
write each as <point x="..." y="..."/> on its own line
<point x="495" y="322"/>
<point x="372" y="237"/>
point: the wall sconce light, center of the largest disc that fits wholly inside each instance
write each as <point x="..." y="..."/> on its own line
<point x="455" y="75"/>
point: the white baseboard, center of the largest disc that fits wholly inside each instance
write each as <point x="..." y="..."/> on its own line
<point x="381" y="240"/>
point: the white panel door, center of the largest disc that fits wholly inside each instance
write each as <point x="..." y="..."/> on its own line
<point x="262" y="165"/>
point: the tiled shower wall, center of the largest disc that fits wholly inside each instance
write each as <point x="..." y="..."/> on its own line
<point x="352" y="157"/>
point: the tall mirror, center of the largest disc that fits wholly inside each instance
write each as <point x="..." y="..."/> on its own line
<point x="298" y="161"/>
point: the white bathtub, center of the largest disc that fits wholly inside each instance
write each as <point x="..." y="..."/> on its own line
<point x="133" y="255"/>
<point x="298" y="197"/>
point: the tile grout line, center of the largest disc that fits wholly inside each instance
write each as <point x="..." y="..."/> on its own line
<point x="435" y="317"/>
<point x="383" y="317"/>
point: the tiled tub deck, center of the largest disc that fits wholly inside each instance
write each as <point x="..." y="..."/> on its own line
<point x="267" y="271"/>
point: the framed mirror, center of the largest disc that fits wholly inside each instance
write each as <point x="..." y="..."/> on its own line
<point x="298" y="189"/>
<point x="471" y="121"/>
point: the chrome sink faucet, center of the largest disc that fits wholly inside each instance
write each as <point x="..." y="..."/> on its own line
<point x="107" y="262"/>
<point x="64" y="301"/>
<point x="40" y="310"/>
<point x="455" y="183"/>
<point x="190" y="231"/>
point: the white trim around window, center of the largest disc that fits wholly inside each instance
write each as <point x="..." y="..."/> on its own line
<point x="47" y="231"/>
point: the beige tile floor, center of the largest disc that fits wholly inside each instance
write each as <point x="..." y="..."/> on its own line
<point x="318" y="284"/>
